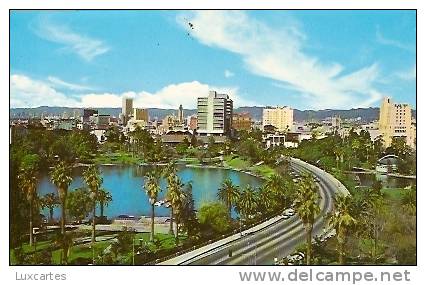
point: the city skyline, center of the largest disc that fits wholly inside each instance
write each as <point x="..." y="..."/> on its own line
<point x="303" y="59"/>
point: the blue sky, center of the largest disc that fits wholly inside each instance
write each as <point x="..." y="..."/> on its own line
<point x="304" y="59"/>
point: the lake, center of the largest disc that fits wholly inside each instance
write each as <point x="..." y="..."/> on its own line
<point x="125" y="185"/>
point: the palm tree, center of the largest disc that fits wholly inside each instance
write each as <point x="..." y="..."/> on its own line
<point x="265" y="199"/>
<point x="228" y="193"/>
<point x="65" y="241"/>
<point x="50" y="201"/>
<point x="152" y="189"/>
<point x="28" y="181"/>
<point x="341" y="220"/>
<point x="104" y="198"/>
<point x="306" y="206"/>
<point x="247" y="202"/>
<point x="275" y="184"/>
<point x="61" y="177"/>
<point x="93" y="179"/>
<point x="176" y="198"/>
<point x="169" y="172"/>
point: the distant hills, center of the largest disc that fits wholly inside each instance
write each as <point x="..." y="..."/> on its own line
<point x="366" y="114"/>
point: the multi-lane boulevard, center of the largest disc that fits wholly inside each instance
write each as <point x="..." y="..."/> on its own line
<point x="275" y="238"/>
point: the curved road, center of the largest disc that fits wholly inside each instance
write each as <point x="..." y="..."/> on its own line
<point x="278" y="238"/>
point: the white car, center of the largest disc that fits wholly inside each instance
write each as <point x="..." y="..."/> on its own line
<point x="289" y="212"/>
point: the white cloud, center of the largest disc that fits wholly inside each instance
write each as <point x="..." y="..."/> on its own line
<point x="391" y="42"/>
<point x="86" y="47"/>
<point x="278" y="54"/>
<point x="228" y="73"/>
<point x="27" y="92"/>
<point x="410" y="74"/>
<point x="59" y="83"/>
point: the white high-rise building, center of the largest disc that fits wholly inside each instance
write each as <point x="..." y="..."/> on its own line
<point x="395" y="121"/>
<point x="279" y="117"/>
<point x="214" y="114"/>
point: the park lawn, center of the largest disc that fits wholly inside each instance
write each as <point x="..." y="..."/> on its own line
<point x="394" y="193"/>
<point x="39" y="246"/>
<point x="263" y="170"/>
<point x="117" y="158"/>
<point x="237" y="162"/>
<point x="81" y="251"/>
<point x="167" y="240"/>
<point x="189" y="160"/>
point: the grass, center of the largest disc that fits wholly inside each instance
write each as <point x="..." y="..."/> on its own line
<point x="189" y="160"/>
<point x="240" y="163"/>
<point x="263" y="170"/>
<point x="81" y="251"/>
<point x="237" y="162"/>
<point x="165" y="242"/>
<point x="117" y="158"/>
<point x="394" y="193"/>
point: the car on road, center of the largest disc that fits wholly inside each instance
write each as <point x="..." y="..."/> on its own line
<point x="288" y="213"/>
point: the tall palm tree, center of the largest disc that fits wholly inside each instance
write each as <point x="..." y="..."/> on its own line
<point x="169" y="173"/>
<point x="275" y="184"/>
<point x="50" y="201"/>
<point x="28" y="181"/>
<point x="265" y="199"/>
<point x="104" y="198"/>
<point x="92" y="177"/>
<point x="307" y="207"/>
<point x="176" y="198"/>
<point x="61" y="177"/>
<point x="247" y="202"/>
<point x="228" y="193"/>
<point x="152" y="189"/>
<point x="341" y="220"/>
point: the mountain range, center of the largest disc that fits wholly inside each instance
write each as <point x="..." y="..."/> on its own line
<point x="365" y="114"/>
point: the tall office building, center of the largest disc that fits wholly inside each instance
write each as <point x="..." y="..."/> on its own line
<point x="214" y="114"/>
<point x="395" y="121"/>
<point x="140" y="115"/>
<point x="180" y="114"/>
<point x="126" y="109"/>
<point x="279" y="117"/>
<point x="241" y="121"/>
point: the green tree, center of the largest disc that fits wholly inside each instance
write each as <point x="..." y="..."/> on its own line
<point x="92" y="178"/>
<point x="409" y="200"/>
<point x="61" y="178"/>
<point x="152" y="189"/>
<point x="342" y="221"/>
<point x="28" y="182"/>
<point x="228" y="193"/>
<point x="307" y="208"/>
<point x="187" y="215"/>
<point x="169" y="173"/>
<point x="104" y="198"/>
<point x="64" y="240"/>
<point x="79" y="204"/>
<point x="176" y="198"/>
<point x="50" y="201"/>
<point x="247" y="202"/>
<point x="214" y="217"/>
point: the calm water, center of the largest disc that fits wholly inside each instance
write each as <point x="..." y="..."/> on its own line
<point x="125" y="184"/>
<point x="387" y="181"/>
